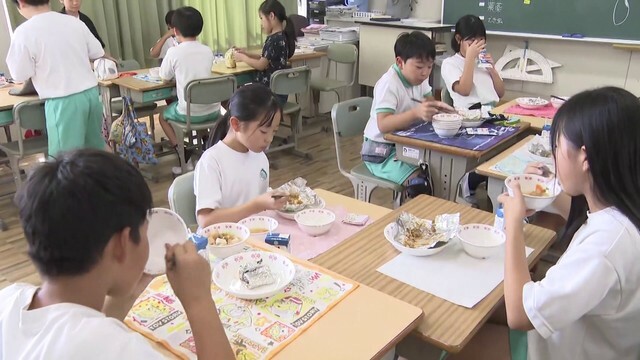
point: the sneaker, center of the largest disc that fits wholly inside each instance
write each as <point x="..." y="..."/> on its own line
<point x="177" y="170"/>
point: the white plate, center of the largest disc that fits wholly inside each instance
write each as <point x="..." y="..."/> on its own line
<point x="226" y="275"/>
<point x="259" y="222"/>
<point x="165" y="227"/>
<point x="292" y="215"/>
<point x="531" y="102"/>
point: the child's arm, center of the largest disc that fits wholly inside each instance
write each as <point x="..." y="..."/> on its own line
<point x="157" y="48"/>
<point x="389" y="122"/>
<point x="190" y="277"/>
<point x="516" y="270"/>
<point x="166" y="68"/>
<point x="255" y="61"/>
<point x="465" y="84"/>
<point x="261" y="203"/>
<point x="498" y="84"/>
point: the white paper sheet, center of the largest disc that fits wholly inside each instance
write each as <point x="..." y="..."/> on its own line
<point x="451" y="274"/>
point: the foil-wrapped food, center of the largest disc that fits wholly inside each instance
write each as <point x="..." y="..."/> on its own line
<point x="254" y="275"/>
<point x="299" y="195"/>
<point x="414" y="232"/>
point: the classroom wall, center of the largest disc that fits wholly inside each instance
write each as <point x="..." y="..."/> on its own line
<point x="584" y="65"/>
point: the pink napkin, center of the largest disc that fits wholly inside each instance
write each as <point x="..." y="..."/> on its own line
<point x="544" y="112"/>
<point x="307" y="247"/>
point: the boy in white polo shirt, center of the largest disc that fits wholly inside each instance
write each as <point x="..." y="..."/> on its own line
<point x="401" y="97"/>
<point x="188" y="61"/>
<point x="55" y="50"/>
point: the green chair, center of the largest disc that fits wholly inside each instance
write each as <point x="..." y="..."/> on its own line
<point x="182" y="199"/>
<point x="337" y="54"/>
<point x="146" y="110"/>
<point x="293" y="81"/>
<point x="349" y="119"/>
<point x="26" y="115"/>
<point x="445" y="96"/>
<point x="6" y="119"/>
<point x="203" y="92"/>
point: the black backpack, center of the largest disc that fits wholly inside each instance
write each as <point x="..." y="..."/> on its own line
<point x="421" y="184"/>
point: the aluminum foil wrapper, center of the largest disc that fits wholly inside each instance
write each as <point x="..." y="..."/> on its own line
<point x="255" y="275"/>
<point x="298" y="189"/>
<point x="433" y="233"/>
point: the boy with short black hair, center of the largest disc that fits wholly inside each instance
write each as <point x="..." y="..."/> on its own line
<point x="55" y="50"/>
<point x="85" y="220"/>
<point x="188" y="61"/>
<point x="401" y="97"/>
<point x="167" y="41"/>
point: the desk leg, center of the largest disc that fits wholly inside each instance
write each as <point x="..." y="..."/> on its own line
<point x="105" y="96"/>
<point x="446" y="171"/>
<point x="494" y="189"/>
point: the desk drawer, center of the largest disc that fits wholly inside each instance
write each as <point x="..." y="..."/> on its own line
<point x="153" y="95"/>
<point x="410" y="154"/>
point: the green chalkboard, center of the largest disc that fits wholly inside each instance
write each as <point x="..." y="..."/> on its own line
<point x="608" y="19"/>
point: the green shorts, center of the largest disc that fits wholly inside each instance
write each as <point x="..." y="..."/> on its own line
<point x="74" y="121"/>
<point x="392" y="169"/>
<point x="171" y="113"/>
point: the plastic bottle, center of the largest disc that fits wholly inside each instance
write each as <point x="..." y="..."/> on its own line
<point x="201" y="244"/>
<point x="498" y="221"/>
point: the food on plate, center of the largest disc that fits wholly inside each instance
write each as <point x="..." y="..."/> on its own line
<point x="539" y="149"/>
<point x="223" y="238"/>
<point x="532" y="101"/>
<point x="539" y="191"/>
<point x="294" y="199"/>
<point x="414" y="232"/>
<point x="254" y="275"/>
<point x="229" y="60"/>
<point x="299" y="196"/>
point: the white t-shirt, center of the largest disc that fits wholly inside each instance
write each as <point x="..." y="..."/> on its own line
<point x="482" y="91"/>
<point x="54" y="50"/>
<point x="225" y="178"/>
<point x="168" y="44"/>
<point x="588" y="305"/>
<point x="188" y="61"/>
<point x="63" y="331"/>
<point x="393" y="94"/>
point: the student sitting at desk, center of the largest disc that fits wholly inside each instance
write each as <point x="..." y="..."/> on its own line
<point x="167" y="41"/>
<point x="188" y="61"/>
<point x="401" y="97"/>
<point x="278" y="48"/>
<point x="61" y="73"/>
<point x="470" y="84"/>
<point x="90" y="256"/>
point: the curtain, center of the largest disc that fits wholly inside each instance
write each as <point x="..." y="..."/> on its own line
<point x="233" y="22"/>
<point x="129" y="28"/>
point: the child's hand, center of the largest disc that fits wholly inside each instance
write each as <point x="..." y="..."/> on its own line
<point x="427" y="109"/>
<point x="189" y="273"/>
<point x="168" y="34"/>
<point x="538" y="168"/>
<point x="270" y="201"/>
<point x="514" y="208"/>
<point x="240" y="56"/>
<point x="489" y="59"/>
<point x="474" y="50"/>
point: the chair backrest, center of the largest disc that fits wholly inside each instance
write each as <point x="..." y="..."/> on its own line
<point x="445" y="96"/>
<point x="349" y="119"/>
<point x="299" y="22"/>
<point x="343" y="53"/>
<point x="128" y="65"/>
<point x="210" y="90"/>
<point x="182" y="199"/>
<point x="30" y="115"/>
<point x="291" y="81"/>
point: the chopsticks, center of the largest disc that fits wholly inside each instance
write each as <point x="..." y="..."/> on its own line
<point x="558" y="98"/>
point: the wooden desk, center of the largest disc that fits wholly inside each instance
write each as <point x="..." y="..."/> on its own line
<point x="448" y="164"/>
<point x="352" y="205"/>
<point x="537" y="123"/>
<point x="446" y="325"/>
<point x="495" y="184"/>
<point x="367" y="324"/>
<point x="7" y="101"/>
<point x="222" y="69"/>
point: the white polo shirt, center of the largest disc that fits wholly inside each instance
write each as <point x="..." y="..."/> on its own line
<point x="482" y="92"/>
<point x="225" y="178"/>
<point x="392" y="94"/>
<point x="63" y="331"/>
<point x="54" y="50"/>
<point x="188" y="61"/>
<point x="588" y="305"/>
